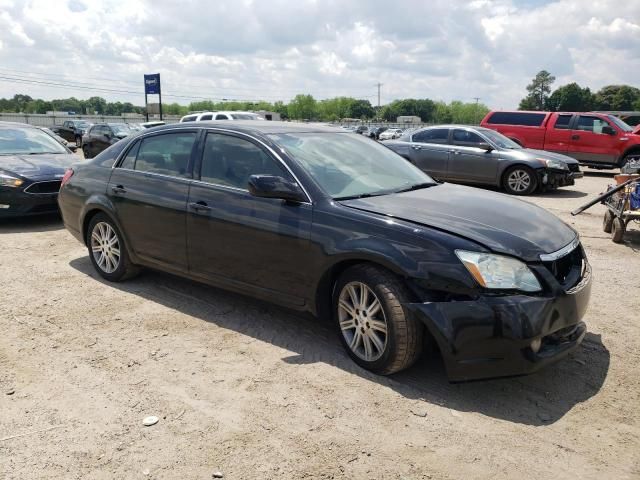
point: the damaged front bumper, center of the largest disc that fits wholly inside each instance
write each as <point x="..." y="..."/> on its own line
<point x="497" y="336"/>
<point x="550" y="178"/>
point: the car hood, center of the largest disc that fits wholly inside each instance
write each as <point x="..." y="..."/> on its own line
<point x="529" y="154"/>
<point x="501" y="223"/>
<point x="37" y="166"/>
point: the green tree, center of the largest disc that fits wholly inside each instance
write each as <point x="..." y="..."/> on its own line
<point x="571" y="98"/>
<point x="95" y="104"/>
<point x="302" y="107"/>
<point x="617" y="97"/>
<point x="539" y="90"/>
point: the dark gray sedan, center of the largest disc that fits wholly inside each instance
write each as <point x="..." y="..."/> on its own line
<point x="478" y="155"/>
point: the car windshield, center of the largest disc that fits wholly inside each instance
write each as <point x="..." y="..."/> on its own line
<point x="620" y="123"/>
<point x="350" y="166"/>
<point x="500" y="140"/>
<point x="29" y="141"/>
<point x="120" y="128"/>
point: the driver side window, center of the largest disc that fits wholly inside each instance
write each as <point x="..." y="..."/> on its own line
<point x="466" y="138"/>
<point x="230" y="161"/>
<point x="591" y="124"/>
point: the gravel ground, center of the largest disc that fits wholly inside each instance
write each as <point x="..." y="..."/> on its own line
<point x="255" y="391"/>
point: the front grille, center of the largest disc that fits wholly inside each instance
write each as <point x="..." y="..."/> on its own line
<point x="574" y="167"/>
<point x="52" y="186"/>
<point x="568" y="269"/>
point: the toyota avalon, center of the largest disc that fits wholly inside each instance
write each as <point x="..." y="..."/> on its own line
<point x="320" y="220"/>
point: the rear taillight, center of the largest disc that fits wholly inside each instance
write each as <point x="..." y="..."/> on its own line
<point x="67" y="175"/>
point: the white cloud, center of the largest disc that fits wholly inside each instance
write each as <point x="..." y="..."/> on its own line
<point x="274" y="49"/>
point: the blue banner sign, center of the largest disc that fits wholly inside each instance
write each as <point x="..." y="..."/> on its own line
<point x="152" y="84"/>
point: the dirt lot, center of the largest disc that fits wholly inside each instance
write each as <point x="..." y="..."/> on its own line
<point x="255" y="391"/>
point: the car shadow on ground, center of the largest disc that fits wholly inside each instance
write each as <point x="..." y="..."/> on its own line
<point x="600" y="173"/>
<point x="538" y="399"/>
<point x="560" y="193"/>
<point x="36" y="223"/>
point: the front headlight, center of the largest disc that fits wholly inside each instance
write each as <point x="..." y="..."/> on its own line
<point x="7" y="180"/>
<point x="499" y="271"/>
<point x="555" y="164"/>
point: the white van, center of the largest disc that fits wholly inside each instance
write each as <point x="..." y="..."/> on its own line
<point x="226" y="115"/>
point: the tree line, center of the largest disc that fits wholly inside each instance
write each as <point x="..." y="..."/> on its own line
<point x="301" y="107"/>
<point x="574" y="98"/>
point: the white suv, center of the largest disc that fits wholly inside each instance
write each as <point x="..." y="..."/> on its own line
<point x="204" y="116"/>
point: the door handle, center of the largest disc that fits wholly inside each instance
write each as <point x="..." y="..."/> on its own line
<point x="200" y="206"/>
<point x="416" y="147"/>
<point x="575" y="137"/>
<point x="455" y="152"/>
<point x="118" y="189"/>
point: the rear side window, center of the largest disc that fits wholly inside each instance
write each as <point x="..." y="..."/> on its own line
<point x="562" y="123"/>
<point x="433" y="135"/>
<point x="130" y="160"/>
<point x="517" y="118"/>
<point x="230" y="161"/>
<point x="166" y="154"/>
<point x="221" y="117"/>
<point x="206" y="117"/>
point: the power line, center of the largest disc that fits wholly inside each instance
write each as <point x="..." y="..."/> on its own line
<point x="178" y="94"/>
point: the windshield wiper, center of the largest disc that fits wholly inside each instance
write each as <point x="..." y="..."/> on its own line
<point x="417" y="186"/>
<point x="364" y="195"/>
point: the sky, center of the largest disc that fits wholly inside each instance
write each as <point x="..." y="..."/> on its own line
<point x="274" y="49"/>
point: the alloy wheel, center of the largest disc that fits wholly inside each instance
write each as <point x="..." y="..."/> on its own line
<point x="105" y="247"/>
<point x="362" y="321"/>
<point x="519" y="181"/>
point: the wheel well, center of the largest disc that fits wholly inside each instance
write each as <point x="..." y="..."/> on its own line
<point x="324" y="291"/>
<point x="633" y="150"/>
<point x="87" y="219"/>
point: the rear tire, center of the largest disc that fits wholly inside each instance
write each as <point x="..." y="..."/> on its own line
<point x="607" y="222"/>
<point x="107" y="250"/>
<point x="85" y="152"/>
<point x="617" y="230"/>
<point x="520" y="180"/>
<point x="377" y="332"/>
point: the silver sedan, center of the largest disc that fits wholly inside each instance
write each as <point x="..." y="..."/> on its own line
<point x="478" y="155"/>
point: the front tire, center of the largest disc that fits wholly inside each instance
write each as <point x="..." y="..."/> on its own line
<point x="85" y="152"/>
<point x="107" y="250"/>
<point x="377" y="332"/>
<point x="520" y="180"/>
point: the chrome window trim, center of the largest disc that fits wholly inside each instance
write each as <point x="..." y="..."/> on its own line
<point x="550" y="257"/>
<point x="142" y="136"/>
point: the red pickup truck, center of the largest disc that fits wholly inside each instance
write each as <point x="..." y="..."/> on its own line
<point x="594" y="139"/>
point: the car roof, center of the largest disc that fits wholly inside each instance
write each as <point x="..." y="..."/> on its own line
<point x="251" y="126"/>
<point x="16" y="124"/>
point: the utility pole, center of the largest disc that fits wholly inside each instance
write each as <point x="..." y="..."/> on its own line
<point x="475" y="113"/>
<point x="379" y="85"/>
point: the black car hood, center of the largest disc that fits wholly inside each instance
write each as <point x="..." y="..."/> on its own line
<point x="37" y="166"/>
<point x="501" y="223"/>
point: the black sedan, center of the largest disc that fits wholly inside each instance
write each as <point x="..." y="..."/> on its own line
<point x="32" y="164"/>
<point x="324" y="221"/>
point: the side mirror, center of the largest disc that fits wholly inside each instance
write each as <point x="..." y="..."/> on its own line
<point x="485" y="146"/>
<point x="272" y="186"/>
<point x="608" y="130"/>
